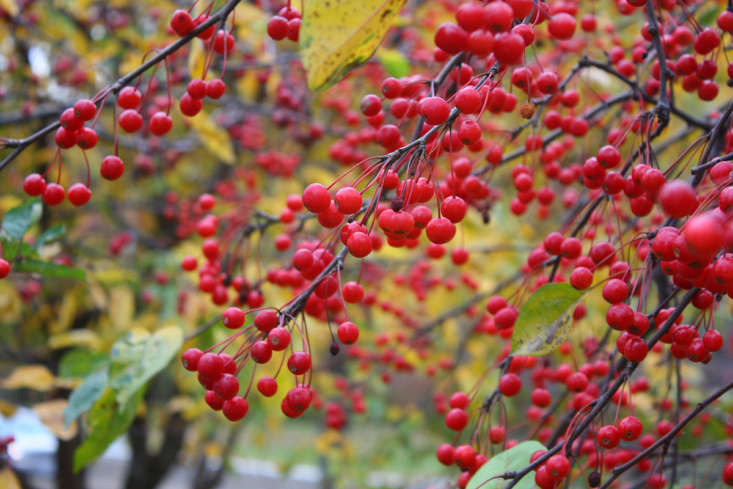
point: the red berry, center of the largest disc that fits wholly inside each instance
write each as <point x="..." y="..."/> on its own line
<point x="235" y="409"/>
<point x="451" y="38"/>
<point x="131" y="120"/>
<point x="267" y="386"/>
<point x="112" y="168"/>
<point x="456" y="419"/>
<point x="85" y="110"/>
<point x="561" y="26"/>
<point x="54" y="194"/>
<point x="34" y="184"/>
<point x="348" y="333"/>
<point x="129" y="98"/>
<point x="181" y="22"/>
<point x="608" y="436"/>
<point x="316" y="198"/>
<point x="215" y="88"/>
<point x="160" y="123"/>
<point x="435" y="110"/>
<point x="233" y="318"/>
<point x="277" y="28"/>
<point x="226" y="386"/>
<point x="4" y="268"/>
<point x="190" y="359"/>
<point x="79" y="194"/>
<point x="630" y="428"/>
<point x="510" y="384"/>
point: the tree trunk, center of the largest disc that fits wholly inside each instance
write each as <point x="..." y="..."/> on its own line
<point x="65" y="476"/>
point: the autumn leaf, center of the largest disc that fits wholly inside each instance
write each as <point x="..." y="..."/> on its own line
<point x="213" y="137"/>
<point x="36" y="377"/>
<point x="339" y="35"/>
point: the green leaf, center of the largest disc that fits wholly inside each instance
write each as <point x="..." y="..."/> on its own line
<point x="106" y="421"/>
<point x="85" y="395"/>
<point x="49" y="235"/>
<point x="13" y="248"/>
<point x="394" y="62"/>
<point x="338" y="35"/>
<point x="138" y="356"/>
<point x="49" y="269"/>
<point x="18" y="219"/>
<point x="708" y="16"/>
<point x="516" y="458"/>
<point x="80" y="363"/>
<point x="544" y="319"/>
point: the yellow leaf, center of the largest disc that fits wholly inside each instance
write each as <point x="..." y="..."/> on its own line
<point x="7" y="409"/>
<point x="121" y="307"/>
<point x="75" y="337"/>
<point x="36" y="377"/>
<point x="196" y="60"/>
<point x="8" y="479"/>
<point x="10" y="7"/>
<point x="339" y="35"/>
<point x="51" y="414"/>
<point x="214" y="138"/>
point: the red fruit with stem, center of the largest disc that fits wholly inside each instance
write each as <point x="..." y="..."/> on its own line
<point x="348" y="333"/>
<point x="456" y="419"/>
<point x="181" y="22"/>
<point x="160" y="123"/>
<point x="235" y="408"/>
<point x="129" y="98"/>
<point x="510" y="384"/>
<point x="608" y="436"/>
<point x="190" y="359"/>
<point x="79" y="194"/>
<point x="53" y="194"/>
<point x="131" y="120"/>
<point x="451" y="38"/>
<point x="267" y="386"/>
<point x="112" y="168"/>
<point x="34" y="184"/>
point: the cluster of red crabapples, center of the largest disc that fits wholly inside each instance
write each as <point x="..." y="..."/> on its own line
<point x="286" y="24"/>
<point x="264" y="338"/>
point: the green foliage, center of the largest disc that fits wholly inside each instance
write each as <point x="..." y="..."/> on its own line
<point x="84" y="396"/>
<point x="138" y="356"/>
<point x="80" y="363"/>
<point x="49" y="269"/>
<point x="544" y="320"/>
<point x="515" y="458"/>
<point x="18" y="219"/>
<point x="107" y="420"/>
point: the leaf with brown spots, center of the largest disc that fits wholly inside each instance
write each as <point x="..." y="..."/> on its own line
<point x="339" y="35"/>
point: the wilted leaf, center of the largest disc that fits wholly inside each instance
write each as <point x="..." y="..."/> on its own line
<point x="106" y="421"/>
<point x="51" y="414"/>
<point x="49" y="269"/>
<point x="214" y="137"/>
<point x="544" y="319"/>
<point x="84" y="396"/>
<point x="18" y="219"/>
<point x="338" y="35"/>
<point x="80" y="363"/>
<point x="515" y="458"/>
<point x="138" y="356"/>
<point x="36" y="377"/>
